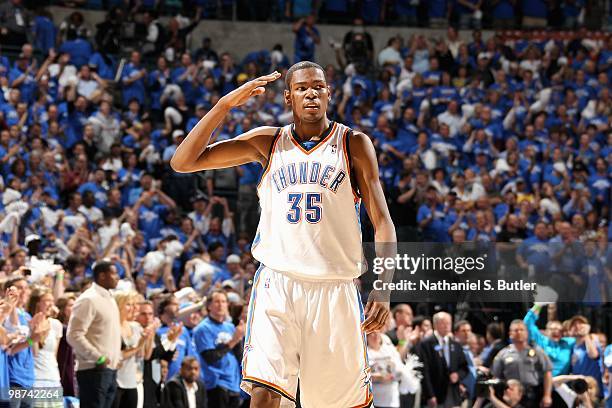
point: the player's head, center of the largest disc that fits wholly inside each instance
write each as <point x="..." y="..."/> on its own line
<point x="307" y="91"/>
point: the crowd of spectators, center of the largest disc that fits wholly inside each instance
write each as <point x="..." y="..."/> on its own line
<point x="564" y="365"/>
<point x="424" y="13"/>
<point x="500" y="139"/>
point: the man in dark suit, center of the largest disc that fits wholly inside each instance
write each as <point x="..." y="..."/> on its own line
<point x="495" y="339"/>
<point x="185" y="390"/>
<point x="444" y="365"/>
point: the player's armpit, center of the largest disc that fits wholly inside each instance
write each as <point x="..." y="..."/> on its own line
<point x="252" y="146"/>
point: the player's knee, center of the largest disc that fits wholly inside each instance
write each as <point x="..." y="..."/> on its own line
<point x="264" y="398"/>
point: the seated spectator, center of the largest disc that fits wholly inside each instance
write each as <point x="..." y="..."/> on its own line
<point x="186" y="389"/>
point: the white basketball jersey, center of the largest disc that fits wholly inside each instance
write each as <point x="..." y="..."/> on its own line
<point x="309" y="225"/>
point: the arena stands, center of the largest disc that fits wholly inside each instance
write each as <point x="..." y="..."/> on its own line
<point x="485" y="136"/>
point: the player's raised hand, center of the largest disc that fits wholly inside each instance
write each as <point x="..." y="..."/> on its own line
<point x="255" y="87"/>
<point x="376" y="313"/>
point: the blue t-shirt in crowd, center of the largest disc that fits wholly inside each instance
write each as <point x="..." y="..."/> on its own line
<point x="582" y="364"/>
<point x="225" y="372"/>
<point x="98" y="191"/>
<point x="44" y="33"/>
<point x="137" y="88"/>
<point x="4" y="375"/>
<point x="304" y="44"/>
<point x="251" y="173"/>
<point x="105" y="66"/>
<point x="150" y="220"/>
<point x="405" y="8"/>
<point x="184" y="348"/>
<point x="437" y="8"/>
<point x="80" y="50"/>
<point x="536" y="252"/>
<point x="436" y="230"/>
<point x="595" y="275"/>
<point x="535" y="8"/>
<point x="21" y="365"/>
<point x="339" y="6"/>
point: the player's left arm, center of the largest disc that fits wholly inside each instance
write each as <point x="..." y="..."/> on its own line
<point x="365" y="170"/>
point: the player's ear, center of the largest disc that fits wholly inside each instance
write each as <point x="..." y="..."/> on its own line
<point x="287" y="95"/>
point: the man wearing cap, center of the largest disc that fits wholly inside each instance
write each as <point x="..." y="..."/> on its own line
<point x="529" y="365"/>
<point x="223" y="273"/>
<point x="586" y="355"/>
<point x="177" y="137"/>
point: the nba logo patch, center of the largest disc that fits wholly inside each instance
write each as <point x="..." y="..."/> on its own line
<point x="334" y="148"/>
<point x="267" y="283"/>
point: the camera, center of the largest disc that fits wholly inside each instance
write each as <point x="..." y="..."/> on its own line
<point x="484" y="381"/>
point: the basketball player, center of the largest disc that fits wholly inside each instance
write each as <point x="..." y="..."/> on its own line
<point x="305" y="317"/>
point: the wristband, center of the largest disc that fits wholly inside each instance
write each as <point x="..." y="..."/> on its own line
<point x="101" y="360"/>
<point x="402" y="342"/>
<point x="30" y="341"/>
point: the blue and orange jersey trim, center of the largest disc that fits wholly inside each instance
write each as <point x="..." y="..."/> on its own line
<point x="252" y="302"/>
<point x="324" y="138"/>
<point x="271" y="386"/>
<point x="270" y="154"/>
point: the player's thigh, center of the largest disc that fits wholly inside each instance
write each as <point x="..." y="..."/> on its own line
<point x="271" y="351"/>
<point x="334" y="369"/>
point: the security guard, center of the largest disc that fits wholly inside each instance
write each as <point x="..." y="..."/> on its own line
<point x="531" y="366"/>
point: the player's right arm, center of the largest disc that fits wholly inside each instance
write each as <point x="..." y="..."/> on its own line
<point x="195" y="153"/>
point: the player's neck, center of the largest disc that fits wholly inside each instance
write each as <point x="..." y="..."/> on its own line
<point x="306" y="131"/>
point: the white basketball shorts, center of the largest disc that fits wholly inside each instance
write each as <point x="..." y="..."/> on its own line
<point x="310" y="331"/>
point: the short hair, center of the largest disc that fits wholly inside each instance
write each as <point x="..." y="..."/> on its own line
<point x="214" y="246"/>
<point x="164" y="303"/>
<point x="12" y="280"/>
<point x="460" y="323"/>
<point x="419" y="320"/>
<point x="495" y="330"/>
<point x="299" y="66"/>
<point x="515" y="383"/>
<point x="209" y="299"/>
<point x="187" y="360"/>
<point x="101" y="267"/>
<point x="61" y="305"/>
<point x="518" y="321"/>
<point x="440" y="315"/>
<point x="397" y="308"/>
